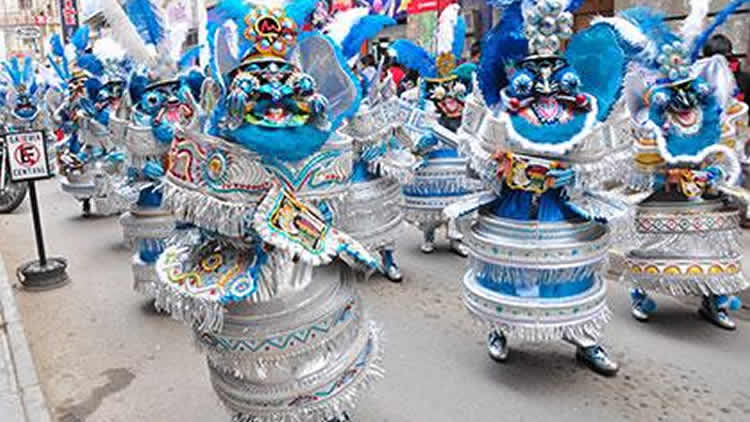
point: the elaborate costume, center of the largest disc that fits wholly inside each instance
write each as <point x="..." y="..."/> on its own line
<point x="286" y="338"/>
<point x="88" y="89"/>
<point x="372" y="213"/>
<point x="687" y="239"/>
<point x="21" y="109"/>
<point x="442" y="180"/>
<point x="536" y="136"/>
<point x="162" y="90"/>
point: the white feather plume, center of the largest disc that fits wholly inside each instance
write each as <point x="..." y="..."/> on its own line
<point x="175" y="39"/>
<point x="446" y="28"/>
<point x="108" y="49"/>
<point x="343" y="22"/>
<point x="695" y="21"/>
<point x="125" y="33"/>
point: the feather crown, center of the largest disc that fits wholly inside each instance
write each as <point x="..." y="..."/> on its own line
<point x="74" y="60"/>
<point x="449" y="39"/>
<point x="20" y="76"/>
<point x="671" y="54"/>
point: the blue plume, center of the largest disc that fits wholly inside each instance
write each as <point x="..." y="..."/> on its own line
<point x="59" y="70"/>
<point x="459" y="37"/>
<point x="366" y="29"/>
<point x="93" y="86"/>
<point x="92" y="64"/>
<point x="189" y="57"/>
<point x="502" y="46"/>
<point x="299" y="10"/>
<point x="601" y="78"/>
<point x="234" y="10"/>
<point x="57" y="46"/>
<point x="651" y="23"/>
<point x="718" y="21"/>
<point x="27" y="70"/>
<point x="81" y="39"/>
<point x="414" y="57"/>
<point x="147" y="19"/>
<point x="12" y="69"/>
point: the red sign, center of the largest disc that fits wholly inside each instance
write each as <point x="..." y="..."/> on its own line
<point x="421" y="6"/>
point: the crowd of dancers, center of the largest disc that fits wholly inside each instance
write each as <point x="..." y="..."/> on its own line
<point x="259" y="182"/>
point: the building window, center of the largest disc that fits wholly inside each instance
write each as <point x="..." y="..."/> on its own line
<point x="24" y="4"/>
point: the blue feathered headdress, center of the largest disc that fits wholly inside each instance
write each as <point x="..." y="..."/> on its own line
<point x="450" y="38"/>
<point x="351" y="28"/>
<point x="672" y="53"/>
<point x="77" y="61"/>
<point x="20" y="76"/>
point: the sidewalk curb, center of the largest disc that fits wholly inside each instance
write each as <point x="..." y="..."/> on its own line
<point x="23" y="394"/>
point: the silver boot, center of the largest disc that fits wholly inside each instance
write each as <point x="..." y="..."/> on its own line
<point x="597" y="359"/>
<point x="428" y="244"/>
<point x="344" y="418"/>
<point x="458" y="248"/>
<point x="497" y="346"/>
<point x="390" y="269"/>
<point x="715" y="314"/>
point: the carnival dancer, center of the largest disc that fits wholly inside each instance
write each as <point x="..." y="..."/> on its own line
<point x="373" y="213"/>
<point x="687" y="236"/>
<point x="21" y="109"/>
<point x="536" y="136"/>
<point x="81" y="110"/>
<point x="442" y="180"/>
<point x="161" y="90"/>
<point x="287" y="338"/>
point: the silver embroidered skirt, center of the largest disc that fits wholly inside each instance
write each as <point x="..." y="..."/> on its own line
<point x="686" y="248"/>
<point x="373" y="213"/>
<point x="537" y="281"/>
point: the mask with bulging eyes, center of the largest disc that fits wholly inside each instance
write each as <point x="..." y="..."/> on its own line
<point x="275" y="94"/>
<point x="448" y="95"/>
<point x="680" y="106"/>
<point x="165" y="102"/>
<point x="545" y="90"/>
<point x="25" y="101"/>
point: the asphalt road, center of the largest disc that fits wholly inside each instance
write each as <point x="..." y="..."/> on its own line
<point x="104" y="356"/>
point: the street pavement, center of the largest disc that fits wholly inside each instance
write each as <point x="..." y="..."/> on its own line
<point x="103" y="354"/>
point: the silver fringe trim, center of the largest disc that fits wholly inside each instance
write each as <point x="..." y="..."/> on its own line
<point x="592" y="328"/>
<point x="201" y="314"/>
<point x="686" y="285"/>
<point x="343" y="402"/>
<point x="227" y="218"/>
<point x="145" y="277"/>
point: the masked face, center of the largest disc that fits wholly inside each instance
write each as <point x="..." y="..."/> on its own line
<point x="448" y="96"/>
<point x="273" y="94"/>
<point x="77" y="88"/>
<point x="165" y="101"/>
<point x="545" y="90"/>
<point x="25" y="107"/>
<point x="681" y="105"/>
<point x="110" y="96"/>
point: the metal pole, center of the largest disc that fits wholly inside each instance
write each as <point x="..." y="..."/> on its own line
<point x="37" y="225"/>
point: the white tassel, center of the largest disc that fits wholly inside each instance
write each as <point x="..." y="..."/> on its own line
<point x="126" y="34"/>
<point x="343" y="22"/>
<point x="201" y="17"/>
<point x="446" y="28"/>
<point x="696" y="20"/>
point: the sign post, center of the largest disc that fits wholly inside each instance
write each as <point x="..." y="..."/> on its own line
<point x="28" y="162"/>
